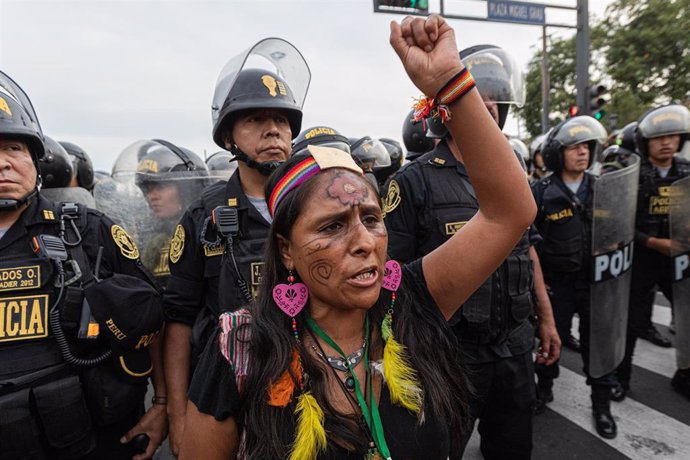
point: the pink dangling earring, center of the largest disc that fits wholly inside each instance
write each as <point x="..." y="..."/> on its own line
<point x="291" y="298"/>
<point x="392" y="275"/>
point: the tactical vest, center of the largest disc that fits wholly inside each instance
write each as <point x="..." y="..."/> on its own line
<point x="47" y="408"/>
<point x="653" y="197"/>
<point x="565" y="227"/>
<point x="234" y="287"/>
<point x="504" y="300"/>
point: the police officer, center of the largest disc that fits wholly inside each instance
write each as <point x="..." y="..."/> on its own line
<point x="214" y="267"/>
<point x="324" y="136"/>
<point x="660" y="135"/>
<point x="84" y="175"/>
<point x="564" y="219"/>
<point x="369" y="154"/>
<point x="171" y="178"/>
<point x="395" y="151"/>
<point x="427" y="201"/>
<point x="414" y="137"/>
<point x="538" y="169"/>
<point x="79" y="316"/>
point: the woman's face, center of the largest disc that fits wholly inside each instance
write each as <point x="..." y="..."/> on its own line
<point x="339" y="242"/>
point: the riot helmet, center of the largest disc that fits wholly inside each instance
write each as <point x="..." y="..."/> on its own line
<point x="572" y="131"/>
<point x="521" y="151"/>
<point x="395" y="152"/>
<point x="369" y="153"/>
<point x="156" y="164"/>
<point x="18" y="121"/>
<point x="414" y="137"/>
<point x="536" y="145"/>
<point x="221" y="163"/>
<point x="320" y="135"/>
<point x="625" y="138"/>
<point x="272" y="74"/>
<point x="498" y="76"/>
<point x="499" y="80"/>
<point x="56" y="165"/>
<point x="82" y="164"/>
<point x="662" y="121"/>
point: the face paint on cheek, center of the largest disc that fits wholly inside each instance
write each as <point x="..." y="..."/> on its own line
<point x="347" y="191"/>
<point x="321" y="271"/>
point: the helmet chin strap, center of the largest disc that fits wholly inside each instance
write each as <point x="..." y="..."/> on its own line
<point x="9" y="205"/>
<point x="265" y="167"/>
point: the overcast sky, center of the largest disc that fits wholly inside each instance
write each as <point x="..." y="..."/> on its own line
<point x="103" y="74"/>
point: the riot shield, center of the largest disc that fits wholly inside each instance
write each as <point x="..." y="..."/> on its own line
<point x="679" y="220"/>
<point x="152" y="185"/>
<point x="613" y="231"/>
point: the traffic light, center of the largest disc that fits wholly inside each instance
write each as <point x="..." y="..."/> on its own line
<point x="573" y="111"/>
<point x="598" y="97"/>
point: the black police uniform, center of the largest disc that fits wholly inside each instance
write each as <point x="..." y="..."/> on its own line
<point x="49" y="409"/>
<point x="564" y="220"/>
<point x="203" y="279"/>
<point x="427" y="202"/>
<point x="650" y="268"/>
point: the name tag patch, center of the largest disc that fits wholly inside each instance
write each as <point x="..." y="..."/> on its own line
<point x="211" y="252"/>
<point x="23" y="318"/>
<point x="18" y="278"/>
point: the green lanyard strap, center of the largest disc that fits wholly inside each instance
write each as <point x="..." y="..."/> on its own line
<point x="371" y="417"/>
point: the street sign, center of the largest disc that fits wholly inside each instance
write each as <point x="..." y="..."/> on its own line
<point x="520" y="12"/>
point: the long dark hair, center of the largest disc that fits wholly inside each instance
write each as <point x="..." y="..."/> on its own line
<point x="430" y="342"/>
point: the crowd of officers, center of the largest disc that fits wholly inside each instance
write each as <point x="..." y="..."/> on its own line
<point x="93" y="304"/>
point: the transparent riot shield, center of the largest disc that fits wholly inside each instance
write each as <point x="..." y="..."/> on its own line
<point x="679" y="219"/>
<point x="153" y="183"/>
<point x="613" y="231"/>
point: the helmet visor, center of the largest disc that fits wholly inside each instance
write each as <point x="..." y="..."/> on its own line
<point x="9" y="88"/>
<point x="273" y="54"/>
<point x="370" y="153"/>
<point x="498" y="75"/>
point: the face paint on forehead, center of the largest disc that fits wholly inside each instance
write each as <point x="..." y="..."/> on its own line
<point x="347" y="189"/>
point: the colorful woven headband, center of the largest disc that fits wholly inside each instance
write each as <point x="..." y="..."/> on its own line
<point x="321" y="158"/>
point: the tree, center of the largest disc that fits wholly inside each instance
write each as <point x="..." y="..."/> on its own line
<point x="641" y="51"/>
<point x="561" y="55"/>
<point x="647" y="47"/>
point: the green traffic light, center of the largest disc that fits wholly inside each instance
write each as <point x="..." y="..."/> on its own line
<point x="599" y="114"/>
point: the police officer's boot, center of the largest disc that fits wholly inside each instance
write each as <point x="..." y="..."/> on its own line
<point x="601" y="410"/>
<point x="681" y="382"/>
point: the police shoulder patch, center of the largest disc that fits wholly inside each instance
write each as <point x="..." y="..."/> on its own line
<point x="127" y="246"/>
<point x="177" y="244"/>
<point x="393" y="197"/>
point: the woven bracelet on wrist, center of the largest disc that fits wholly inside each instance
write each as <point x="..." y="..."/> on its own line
<point x="461" y="84"/>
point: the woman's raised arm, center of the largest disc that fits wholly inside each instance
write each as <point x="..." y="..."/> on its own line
<point x="457" y="268"/>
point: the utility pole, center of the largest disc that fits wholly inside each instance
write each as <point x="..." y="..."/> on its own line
<point x="545" y="83"/>
<point x="582" y="66"/>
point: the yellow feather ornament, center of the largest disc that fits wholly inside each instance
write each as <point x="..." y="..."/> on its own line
<point x="311" y="435"/>
<point x="401" y="378"/>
